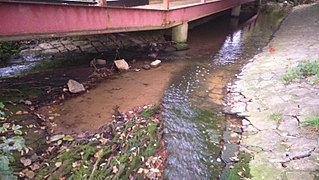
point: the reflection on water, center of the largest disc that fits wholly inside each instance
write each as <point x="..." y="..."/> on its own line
<point x="230" y="50"/>
<point x="192" y="130"/>
<point x="14" y="69"/>
<point x="250" y="38"/>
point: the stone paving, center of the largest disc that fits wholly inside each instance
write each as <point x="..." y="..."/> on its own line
<point x="274" y="113"/>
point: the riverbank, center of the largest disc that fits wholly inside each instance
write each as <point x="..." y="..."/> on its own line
<point x="191" y="106"/>
<point x="276" y="111"/>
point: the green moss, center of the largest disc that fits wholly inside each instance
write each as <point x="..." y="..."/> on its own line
<point x="51" y="65"/>
<point x="181" y="46"/>
<point x="241" y="169"/>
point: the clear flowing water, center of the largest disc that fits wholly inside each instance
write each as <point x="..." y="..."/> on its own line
<point x="193" y="118"/>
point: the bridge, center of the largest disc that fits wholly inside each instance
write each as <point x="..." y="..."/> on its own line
<point x="42" y="19"/>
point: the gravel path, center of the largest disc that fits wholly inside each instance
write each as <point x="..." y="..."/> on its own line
<point x="274" y="112"/>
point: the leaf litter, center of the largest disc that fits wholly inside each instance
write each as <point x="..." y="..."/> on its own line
<point x="128" y="148"/>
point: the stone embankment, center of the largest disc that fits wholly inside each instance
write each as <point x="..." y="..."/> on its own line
<point x="77" y="45"/>
<point x="273" y="112"/>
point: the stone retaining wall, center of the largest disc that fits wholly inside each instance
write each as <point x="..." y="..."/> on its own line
<point x="93" y="44"/>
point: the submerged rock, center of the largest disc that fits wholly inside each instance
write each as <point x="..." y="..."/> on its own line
<point x="75" y="87"/>
<point x="156" y="63"/>
<point x="122" y="65"/>
<point x="146" y="67"/>
<point x="100" y="62"/>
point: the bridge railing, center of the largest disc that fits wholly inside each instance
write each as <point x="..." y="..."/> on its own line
<point x="147" y="4"/>
<point x="87" y="2"/>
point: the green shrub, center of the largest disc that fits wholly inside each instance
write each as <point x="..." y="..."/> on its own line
<point x="8" y="49"/>
<point x="10" y="142"/>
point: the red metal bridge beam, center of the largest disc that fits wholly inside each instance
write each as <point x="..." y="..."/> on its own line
<point x="25" y="21"/>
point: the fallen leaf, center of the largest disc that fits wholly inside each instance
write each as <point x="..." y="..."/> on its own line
<point x="30" y="174"/>
<point x="146" y="171"/>
<point x="76" y="164"/>
<point x="59" y="142"/>
<point x="25" y="161"/>
<point x="103" y="164"/>
<point x="98" y="154"/>
<point x="140" y="171"/>
<point x="56" y="137"/>
<point x="130" y="159"/>
<point x="68" y="138"/>
<point x="6" y="125"/>
<point x="56" y="114"/>
<point x="154" y="170"/>
<point x="103" y="140"/>
<point x="115" y="170"/>
<point x="50" y="148"/>
<point x="27" y="102"/>
<point x="233" y="135"/>
<point x="58" y="164"/>
<point x="25" y="170"/>
<point x="35" y="166"/>
<point x="244" y="169"/>
<point x="19" y="113"/>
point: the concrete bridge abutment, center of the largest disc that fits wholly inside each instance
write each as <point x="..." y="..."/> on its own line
<point x="235" y="11"/>
<point x="180" y="33"/>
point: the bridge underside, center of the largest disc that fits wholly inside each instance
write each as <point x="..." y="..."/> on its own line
<point x="25" y="21"/>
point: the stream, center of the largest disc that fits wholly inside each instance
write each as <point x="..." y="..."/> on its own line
<point x="195" y="126"/>
<point x="194" y="122"/>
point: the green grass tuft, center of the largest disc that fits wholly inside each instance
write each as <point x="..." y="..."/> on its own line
<point x="147" y="113"/>
<point x="313" y="122"/>
<point x="303" y="70"/>
<point x="275" y="116"/>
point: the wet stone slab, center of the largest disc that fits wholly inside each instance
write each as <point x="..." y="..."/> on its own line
<point x="283" y="148"/>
